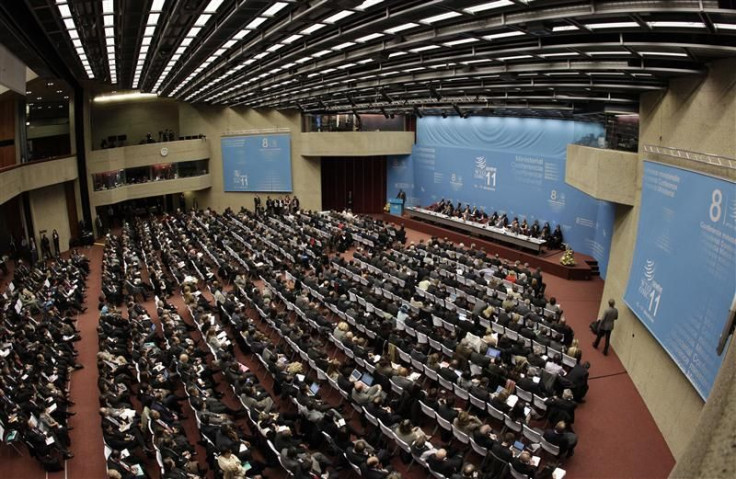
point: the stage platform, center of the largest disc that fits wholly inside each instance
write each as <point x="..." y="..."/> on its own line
<point x="549" y="261"/>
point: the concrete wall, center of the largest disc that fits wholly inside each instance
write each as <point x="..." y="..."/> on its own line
<point x="33" y="176"/>
<point x="49" y="212"/>
<point x="153" y="188"/>
<point x="110" y="159"/>
<point x="697" y="114"/>
<point x="215" y="122"/>
<point x="357" y="143"/>
<point x="607" y="175"/>
<point x="134" y="119"/>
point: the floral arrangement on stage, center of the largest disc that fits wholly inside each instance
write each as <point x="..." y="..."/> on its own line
<point x="567" y="257"/>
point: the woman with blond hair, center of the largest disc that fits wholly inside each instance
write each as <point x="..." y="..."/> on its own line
<point x="341" y="331"/>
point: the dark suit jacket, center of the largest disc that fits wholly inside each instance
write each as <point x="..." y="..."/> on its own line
<point x="502" y="452"/>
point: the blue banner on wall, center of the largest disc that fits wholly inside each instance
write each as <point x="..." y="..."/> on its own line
<point x="509" y="165"/>
<point x="257" y="163"/>
<point x="683" y="275"/>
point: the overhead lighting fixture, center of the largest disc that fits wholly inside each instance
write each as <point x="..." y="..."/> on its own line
<point x="400" y="28"/>
<point x="601" y="26"/>
<point x="212" y="6"/>
<point x="313" y="28"/>
<point x="292" y="39"/>
<point x="108" y="12"/>
<point x="664" y="24"/>
<point x="609" y="52"/>
<point x="664" y="54"/>
<point x="152" y="23"/>
<point x="343" y="46"/>
<point x="368" y="4"/>
<point x="370" y="37"/>
<point x="274" y="9"/>
<point x="424" y="48"/>
<point x="488" y="6"/>
<point x="440" y="17"/>
<point x="255" y="23"/>
<point x="725" y="26"/>
<point x="71" y="28"/>
<point x="463" y="41"/>
<point x="496" y="36"/>
<point x="564" y="28"/>
<point x="338" y="16"/>
<point x="559" y="54"/>
<point x="124" y="97"/>
<point x="515" y="57"/>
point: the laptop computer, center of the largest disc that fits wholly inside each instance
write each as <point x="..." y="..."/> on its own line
<point x="493" y="353"/>
<point x="367" y="379"/>
<point x="519" y="445"/>
<point x="314" y="388"/>
<point x="355" y="375"/>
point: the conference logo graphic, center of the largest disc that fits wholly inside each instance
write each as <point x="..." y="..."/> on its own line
<point x="240" y="180"/>
<point x="486" y="173"/>
<point x="556" y="201"/>
<point x="650" y="290"/>
<point x="456" y="182"/>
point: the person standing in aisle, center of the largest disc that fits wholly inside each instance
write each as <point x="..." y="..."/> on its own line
<point x="605" y="325"/>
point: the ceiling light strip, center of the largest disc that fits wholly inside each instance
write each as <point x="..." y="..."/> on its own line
<point x="108" y="18"/>
<point x="154" y="17"/>
<point x="193" y="33"/>
<point x="71" y="29"/>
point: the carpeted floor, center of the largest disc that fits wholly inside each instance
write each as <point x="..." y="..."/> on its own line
<point x="618" y="437"/>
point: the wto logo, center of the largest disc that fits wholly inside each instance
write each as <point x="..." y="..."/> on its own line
<point x="649" y="269"/>
<point x="650" y="290"/>
<point x="486" y="173"/>
<point x="239" y="179"/>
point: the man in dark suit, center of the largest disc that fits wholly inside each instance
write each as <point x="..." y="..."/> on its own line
<point x="561" y="408"/>
<point x="502" y="450"/>
<point x="483" y="436"/>
<point x="522" y="464"/>
<point x="560" y="436"/>
<point x="373" y="469"/>
<point x="439" y="462"/>
<point x="577" y="380"/>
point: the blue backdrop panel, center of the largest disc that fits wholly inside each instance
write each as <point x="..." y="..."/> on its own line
<point x="257" y="163"/>
<point x="510" y="165"/>
<point x="683" y="276"/>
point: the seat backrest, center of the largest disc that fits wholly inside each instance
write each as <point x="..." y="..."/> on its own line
<point x="459" y="435"/>
<point x="480" y="450"/>
<point x="495" y="413"/>
<point x="428" y="411"/>
<point x="444" y="423"/>
<point x="532" y="435"/>
<point x="516" y="474"/>
<point x="550" y="448"/>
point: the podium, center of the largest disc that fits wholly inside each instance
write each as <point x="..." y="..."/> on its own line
<point x="396" y="206"/>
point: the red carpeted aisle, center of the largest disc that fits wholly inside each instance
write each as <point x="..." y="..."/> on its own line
<point x="618" y="437"/>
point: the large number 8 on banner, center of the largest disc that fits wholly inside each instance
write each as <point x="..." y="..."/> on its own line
<point x="715" y="205"/>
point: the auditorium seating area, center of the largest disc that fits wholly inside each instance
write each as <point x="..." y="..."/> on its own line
<point x="304" y="299"/>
